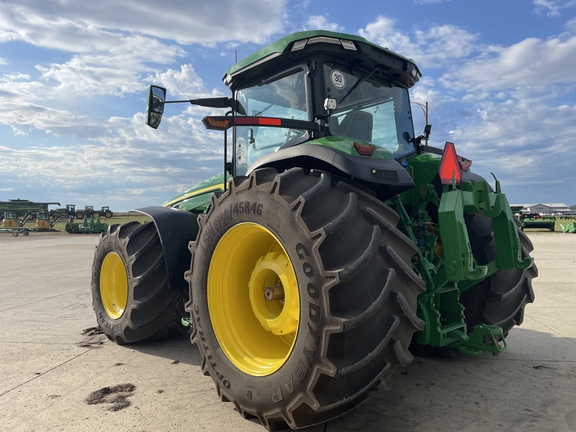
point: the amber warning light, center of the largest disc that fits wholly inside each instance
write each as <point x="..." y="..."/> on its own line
<point x="449" y="166"/>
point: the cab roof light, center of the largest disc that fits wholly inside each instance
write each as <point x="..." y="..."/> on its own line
<point x="349" y="45"/>
<point x="298" y="45"/>
<point x="346" y="44"/>
<point x="450" y="169"/>
<point x="324" y="39"/>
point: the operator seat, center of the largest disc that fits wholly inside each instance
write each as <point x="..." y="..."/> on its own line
<point x="358" y="125"/>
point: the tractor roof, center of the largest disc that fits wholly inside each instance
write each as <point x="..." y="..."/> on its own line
<point x="292" y="48"/>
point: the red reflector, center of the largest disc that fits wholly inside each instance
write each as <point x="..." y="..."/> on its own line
<point x="364" y="149"/>
<point x="255" y="121"/>
<point x="449" y="166"/>
<point x="244" y="120"/>
<point x="269" y="121"/>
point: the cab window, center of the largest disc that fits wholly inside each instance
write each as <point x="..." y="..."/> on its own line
<point x="284" y="98"/>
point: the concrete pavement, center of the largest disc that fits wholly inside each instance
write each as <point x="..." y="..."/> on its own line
<point x="54" y="369"/>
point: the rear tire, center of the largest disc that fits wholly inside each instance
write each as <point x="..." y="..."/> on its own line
<point x="130" y="292"/>
<point x="501" y="299"/>
<point x="347" y="313"/>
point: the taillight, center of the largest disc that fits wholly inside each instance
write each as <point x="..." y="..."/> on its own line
<point x="364" y="149"/>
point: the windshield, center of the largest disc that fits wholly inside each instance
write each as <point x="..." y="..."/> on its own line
<point x="368" y="108"/>
<point x="285" y="98"/>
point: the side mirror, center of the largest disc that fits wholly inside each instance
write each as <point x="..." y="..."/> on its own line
<point x="155" y="107"/>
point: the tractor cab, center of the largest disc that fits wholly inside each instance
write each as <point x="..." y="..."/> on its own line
<point x="319" y="100"/>
<point x="354" y="92"/>
<point x="356" y="110"/>
<point x="43" y="221"/>
<point x="71" y="208"/>
<point x="10" y="219"/>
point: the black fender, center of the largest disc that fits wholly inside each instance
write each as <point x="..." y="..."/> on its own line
<point x="373" y="170"/>
<point x="176" y="228"/>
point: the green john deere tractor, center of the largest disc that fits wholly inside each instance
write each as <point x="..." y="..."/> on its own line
<point x="333" y="243"/>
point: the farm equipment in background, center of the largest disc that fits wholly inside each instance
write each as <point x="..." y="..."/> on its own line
<point x="106" y="212"/>
<point x="89" y="225"/>
<point x="569" y="227"/>
<point x="70" y="210"/>
<point x="535" y="220"/>
<point x="87" y="220"/>
<point x="11" y="224"/>
<point x="332" y="244"/>
<point x="22" y="207"/>
<point x="45" y="223"/>
<point x="89" y="211"/>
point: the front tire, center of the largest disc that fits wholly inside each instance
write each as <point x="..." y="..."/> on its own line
<point x="130" y="293"/>
<point x="303" y="296"/>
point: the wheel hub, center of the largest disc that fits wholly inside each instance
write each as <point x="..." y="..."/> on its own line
<point x="275" y="307"/>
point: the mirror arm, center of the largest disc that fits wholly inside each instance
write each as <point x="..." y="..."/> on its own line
<point x="223" y="102"/>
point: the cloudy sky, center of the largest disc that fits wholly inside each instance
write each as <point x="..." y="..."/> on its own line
<point x="499" y="77"/>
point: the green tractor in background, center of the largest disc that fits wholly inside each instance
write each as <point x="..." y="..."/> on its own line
<point x="333" y="243"/>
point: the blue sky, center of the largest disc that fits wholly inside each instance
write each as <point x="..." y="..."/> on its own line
<point x="498" y="76"/>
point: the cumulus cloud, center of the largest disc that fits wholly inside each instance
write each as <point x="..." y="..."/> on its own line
<point x="322" y="22"/>
<point x="181" y="82"/>
<point x="430" y="48"/>
<point x="103" y="57"/>
<point x="61" y="24"/>
<point x="552" y="8"/>
<point x="530" y="62"/>
<point x="125" y="157"/>
<point x="520" y="143"/>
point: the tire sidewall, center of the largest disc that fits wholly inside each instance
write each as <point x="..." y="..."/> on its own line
<point x="110" y="243"/>
<point x="273" y="212"/>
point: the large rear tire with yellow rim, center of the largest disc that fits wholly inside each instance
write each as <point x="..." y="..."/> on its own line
<point x="130" y="293"/>
<point x="302" y="296"/>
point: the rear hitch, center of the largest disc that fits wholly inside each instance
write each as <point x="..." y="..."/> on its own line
<point x="483" y="338"/>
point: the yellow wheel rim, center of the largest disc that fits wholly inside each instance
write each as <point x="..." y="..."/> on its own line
<point x="113" y="285"/>
<point x="256" y="334"/>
